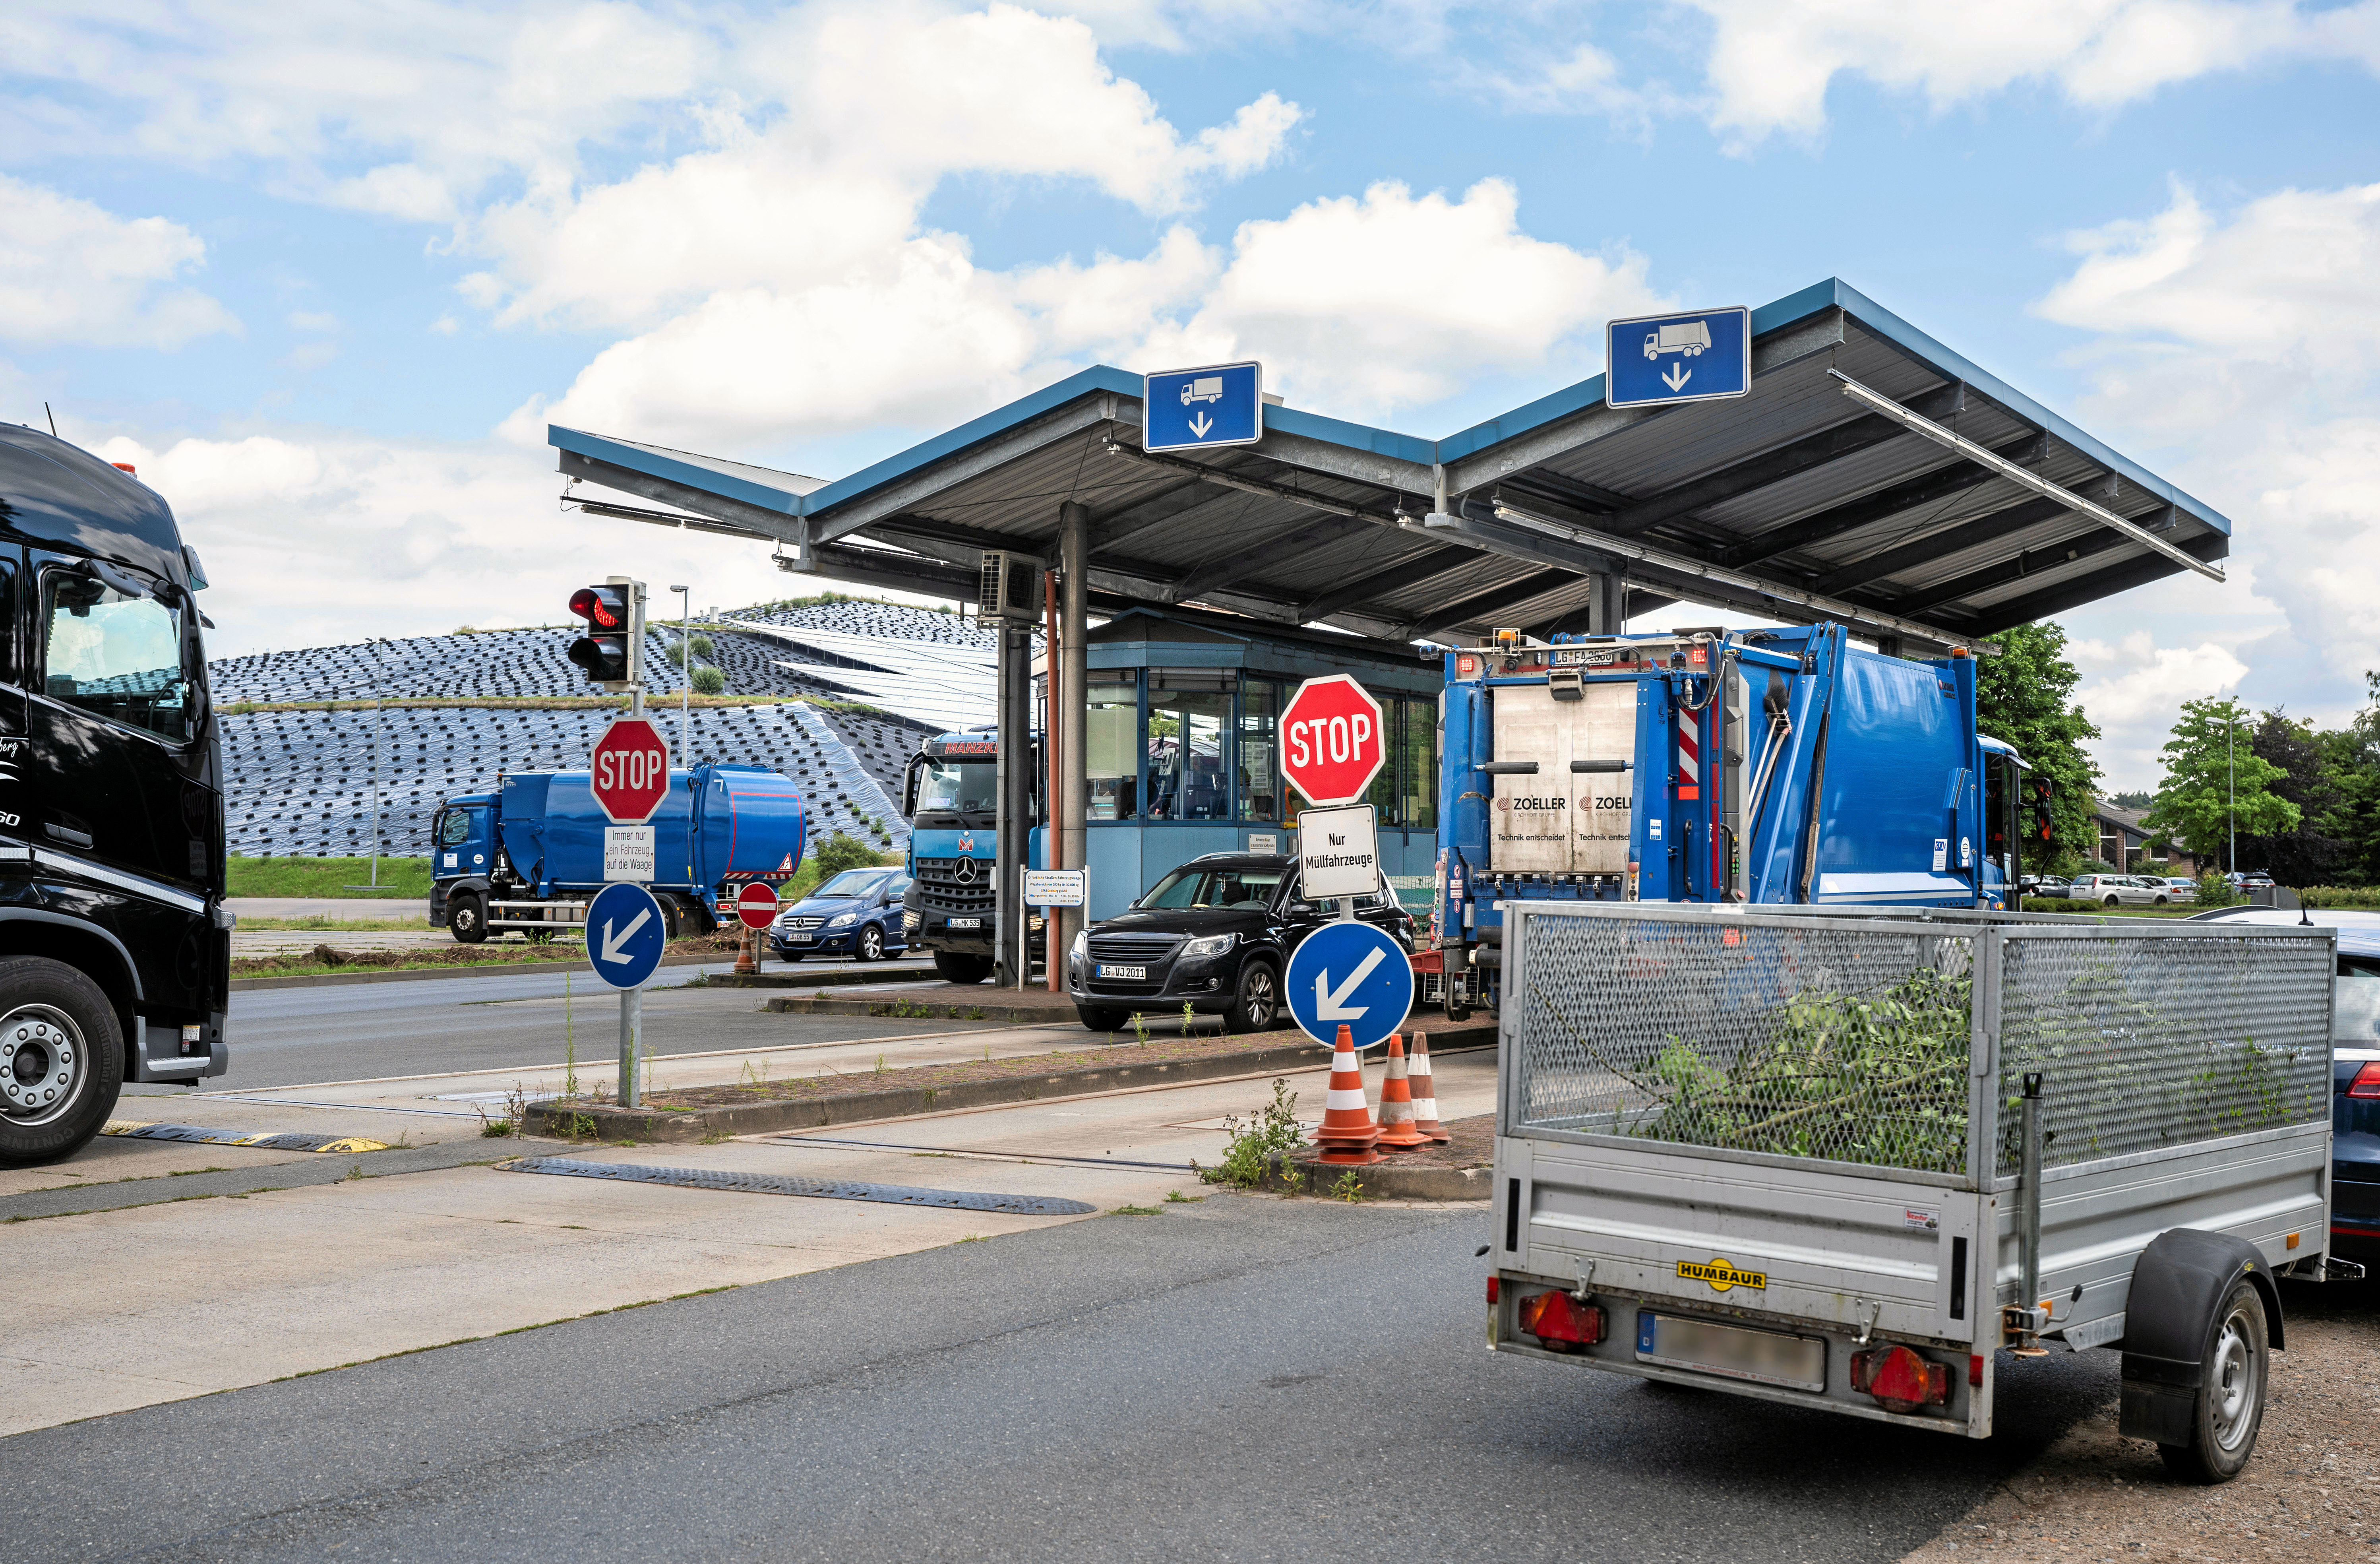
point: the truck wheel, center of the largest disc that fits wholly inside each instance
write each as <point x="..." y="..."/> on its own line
<point x="958" y="967"/>
<point x="871" y="945"/>
<point x="61" y="1060"/>
<point x="1255" y="1006"/>
<point x="2231" y="1401"/>
<point x="467" y="918"/>
<point x="1100" y="1018"/>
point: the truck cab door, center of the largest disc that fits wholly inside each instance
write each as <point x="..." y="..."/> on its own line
<point x="16" y="760"/>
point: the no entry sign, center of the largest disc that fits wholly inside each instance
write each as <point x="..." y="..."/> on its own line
<point x="756" y="904"/>
<point x="1331" y="746"/>
<point x="629" y="770"/>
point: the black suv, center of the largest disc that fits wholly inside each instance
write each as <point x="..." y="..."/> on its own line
<point x="1216" y="935"/>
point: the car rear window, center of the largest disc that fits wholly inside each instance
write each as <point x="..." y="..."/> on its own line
<point x="2355" y="1015"/>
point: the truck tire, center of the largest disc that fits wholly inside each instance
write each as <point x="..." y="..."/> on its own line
<point x="2232" y="1402"/>
<point x="1100" y="1018"/>
<point x="1255" y="1002"/>
<point x="466" y="917"/>
<point x="61" y="1060"/>
<point x="869" y="946"/>
<point x="959" y="967"/>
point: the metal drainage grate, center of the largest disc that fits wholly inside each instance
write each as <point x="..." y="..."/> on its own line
<point x="819" y="1189"/>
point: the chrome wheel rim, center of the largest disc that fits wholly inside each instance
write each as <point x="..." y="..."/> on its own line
<point x="2236" y="1385"/>
<point x="43" y="1064"/>
<point x="871" y="944"/>
<point x="1260" y="995"/>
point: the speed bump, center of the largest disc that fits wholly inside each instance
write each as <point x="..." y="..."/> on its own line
<point x="261" y="1140"/>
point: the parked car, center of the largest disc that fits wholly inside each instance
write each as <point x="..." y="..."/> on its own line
<point x="1216" y="935"/>
<point x="2044" y="884"/>
<point x="2120" y="889"/>
<point x="856" y="914"/>
<point x="2183" y="887"/>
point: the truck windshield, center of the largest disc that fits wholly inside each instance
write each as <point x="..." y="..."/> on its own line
<point x="1191" y="887"/>
<point x="970" y="787"/>
<point x="120" y="657"/>
<point x="453" y="828"/>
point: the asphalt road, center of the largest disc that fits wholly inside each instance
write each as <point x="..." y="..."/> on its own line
<point x="298" y="1037"/>
<point x="1240" y="1378"/>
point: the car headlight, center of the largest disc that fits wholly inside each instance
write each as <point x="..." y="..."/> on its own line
<point x="842" y="920"/>
<point x="1211" y="945"/>
<point x="1082" y="943"/>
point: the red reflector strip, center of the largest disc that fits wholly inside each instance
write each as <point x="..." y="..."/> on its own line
<point x="1690" y="793"/>
<point x="2366" y="1084"/>
<point x="1493" y="1287"/>
<point x="1976" y="1369"/>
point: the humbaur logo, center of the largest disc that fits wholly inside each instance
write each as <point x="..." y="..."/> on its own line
<point x="1722" y="1275"/>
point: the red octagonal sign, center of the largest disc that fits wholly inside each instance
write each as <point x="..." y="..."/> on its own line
<point x="1331" y="746"/>
<point x="630" y="771"/>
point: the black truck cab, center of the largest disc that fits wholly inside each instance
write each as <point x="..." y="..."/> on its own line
<point x="115" y="944"/>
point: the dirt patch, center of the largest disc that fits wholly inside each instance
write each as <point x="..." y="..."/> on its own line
<point x="2312" y="1491"/>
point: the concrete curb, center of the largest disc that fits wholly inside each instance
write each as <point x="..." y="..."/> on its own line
<point x="813" y="980"/>
<point x="548" y="1119"/>
<point x="346" y="979"/>
<point x="1389" y="1179"/>
<point x="994" y="1011"/>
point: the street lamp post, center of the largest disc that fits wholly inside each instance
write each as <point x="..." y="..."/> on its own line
<point x="2231" y="787"/>
<point x="686" y="675"/>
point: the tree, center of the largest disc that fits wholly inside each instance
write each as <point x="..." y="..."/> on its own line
<point x="839" y="852"/>
<point x="2214" y="778"/>
<point x="2024" y="697"/>
<point x="2307" y="853"/>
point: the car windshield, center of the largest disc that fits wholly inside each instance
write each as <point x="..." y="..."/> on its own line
<point x="854" y="882"/>
<point x="2355" y="1018"/>
<point x="1192" y="886"/>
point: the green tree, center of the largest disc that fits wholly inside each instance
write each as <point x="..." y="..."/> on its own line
<point x="839" y="852"/>
<point x="2024" y="697"/>
<point x="2214" y="779"/>
<point x="2353" y="819"/>
<point x="2307" y="853"/>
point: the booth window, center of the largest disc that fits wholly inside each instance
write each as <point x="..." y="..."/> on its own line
<point x="1111" y="750"/>
<point x="1417" y="765"/>
<point x="1259" y="777"/>
<point x="1189" y="709"/>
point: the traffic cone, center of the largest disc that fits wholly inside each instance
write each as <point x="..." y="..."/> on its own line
<point x="1397" y="1130"/>
<point x="1346" y="1133"/>
<point x="1424" y="1092"/>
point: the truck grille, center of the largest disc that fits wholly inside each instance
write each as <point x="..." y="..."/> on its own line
<point x="940" y="887"/>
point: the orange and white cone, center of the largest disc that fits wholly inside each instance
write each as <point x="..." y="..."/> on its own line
<point x="1397" y="1130"/>
<point x="1346" y="1133"/>
<point x="1424" y="1092"/>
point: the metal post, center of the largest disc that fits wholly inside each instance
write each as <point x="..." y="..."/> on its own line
<point x="2231" y="785"/>
<point x="1011" y="953"/>
<point x="1074" y="787"/>
<point x="380" y="737"/>
<point x="1054" y="699"/>
<point x="685" y="675"/>
<point x="1607" y="603"/>
<point x="2028" y="1201"/>
<point x="632" y="1000"/>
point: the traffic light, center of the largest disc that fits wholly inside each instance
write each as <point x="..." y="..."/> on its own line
<point x="612" y="649"/>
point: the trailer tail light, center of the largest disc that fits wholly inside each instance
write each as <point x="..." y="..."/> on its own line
<point x="1899" y="1380"/>
<point x="1976" y="1370"/>
<point x="1561" y="1321"/>
<point x="2367" y="1081"/>
<point x="1495" y="1288"/>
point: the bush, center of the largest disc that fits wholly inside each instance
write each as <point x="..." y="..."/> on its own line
<point x="702" y="646"/>
<point x="2059" y="904"/>
<point x="839" y="852"/>
<point x="709" y="681"/>
<point x="678" y="654"/>
<point x="2340" y="896"/>
<point x="2214" y="891"/>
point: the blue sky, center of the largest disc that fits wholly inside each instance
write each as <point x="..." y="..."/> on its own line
<point x="323" y="274"/>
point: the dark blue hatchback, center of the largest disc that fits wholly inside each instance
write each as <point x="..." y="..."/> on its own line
<point x="856" y="914"/>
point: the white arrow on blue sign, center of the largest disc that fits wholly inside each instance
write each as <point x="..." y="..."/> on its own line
<point x="1192" y="410"/>
<point x="623" y="935"/>
<point x="1699" y="357"/>
<point x="1349" y="975"/>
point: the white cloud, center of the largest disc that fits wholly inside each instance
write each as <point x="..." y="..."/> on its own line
<point x="71" y="272"/>
<point x="1771" y="65"/>
<point x="2134" y="689"/>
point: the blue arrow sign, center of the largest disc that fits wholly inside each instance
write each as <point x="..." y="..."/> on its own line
<point x="623" y="935"/>
<point x="1349" y="975"/>
<point x="1699" y="357"/>
<point x="1192" y="410"/>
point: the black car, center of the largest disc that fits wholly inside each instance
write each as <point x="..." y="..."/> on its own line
<point x="1216" y="935"/>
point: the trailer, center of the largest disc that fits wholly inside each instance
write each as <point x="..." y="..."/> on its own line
<point x="1850" y="1160"/>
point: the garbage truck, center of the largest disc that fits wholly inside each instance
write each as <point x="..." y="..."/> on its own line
<point x="532" y="853"/>
<point x="1859" y="1160"/>
<point x="1757" y="767"/>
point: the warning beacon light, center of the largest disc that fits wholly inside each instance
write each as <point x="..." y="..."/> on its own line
<point x="607" y="651"/>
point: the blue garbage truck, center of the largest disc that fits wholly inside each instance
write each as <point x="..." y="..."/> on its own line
<point x="530" y="855"/>
<point x="951" y="794"/>
<point x="1783" y="765"/>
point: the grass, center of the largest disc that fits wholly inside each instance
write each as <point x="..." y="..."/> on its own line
<point x="400" y="878"/>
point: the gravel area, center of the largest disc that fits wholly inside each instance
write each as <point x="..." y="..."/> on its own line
<point x="2311" y="1493"/>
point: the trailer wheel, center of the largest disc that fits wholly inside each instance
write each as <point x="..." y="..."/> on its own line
<point x="467" y="918"/>
<point x="2232" y="1402"/>
<point x="61" y="1060"/>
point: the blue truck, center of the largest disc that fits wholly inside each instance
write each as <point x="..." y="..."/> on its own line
<point x="531" y="854"/>
<point x="951" y="794"/>
<point x="1782" y="765"/>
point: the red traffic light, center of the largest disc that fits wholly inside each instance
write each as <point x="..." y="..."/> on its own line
<point x="606" y="607"/>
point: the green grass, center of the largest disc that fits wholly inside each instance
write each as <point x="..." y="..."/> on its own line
<point x="326" y="877"/>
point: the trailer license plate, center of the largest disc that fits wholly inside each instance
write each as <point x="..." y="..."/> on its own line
<point x="1129" y="974"/>
<point x="966" y="923"/>
<point x="1765" y="1357"/>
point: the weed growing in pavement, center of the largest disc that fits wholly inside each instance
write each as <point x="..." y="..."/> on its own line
<point x="1272" y="1131"/>
<point x="569" y="1044"/>
<point x="1139" y="1027"/>
<point x="1134" y="1211"/>
<point x="355" y="1172"/>
<point x="1175" y="1198"/>
<point x="973" y="1238"/>
<point x="494" y="1129"/>
<point x="1349" y="1188"/>
<point x="716" y="1136"/>
<point x="1189" y="1018"/>
<point x="880" y="1064"/>
<point x="974" y="1013"/>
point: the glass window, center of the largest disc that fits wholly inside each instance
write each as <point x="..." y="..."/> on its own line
<point x="2355" y="1019"/>
<point x="1186" y="781"/>
<point x="854" y="882"/>
<point x="453" y="828"/>
<point x="1194" y="886"/>
<point x="1417" y="766"/>
<point x="1382" y="794"/>
<point x="1112" y="752"/>
<point x="117" y="656"/>
<point x="1259" y="777"/>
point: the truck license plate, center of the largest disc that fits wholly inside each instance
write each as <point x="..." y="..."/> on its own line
<point x="1765" y="1357"/>
<point x="1129" y="974"/>
<point x="966" y="923"/>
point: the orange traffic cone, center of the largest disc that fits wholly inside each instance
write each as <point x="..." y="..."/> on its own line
<point x="1424" y="1092"/>
<point x="1346" y="1133"/>
<point x="1397" y="1130"/>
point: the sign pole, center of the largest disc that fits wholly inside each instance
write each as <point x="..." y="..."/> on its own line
<point x="632" y="1000"/>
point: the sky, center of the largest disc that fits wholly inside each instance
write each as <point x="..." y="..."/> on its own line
<point x="324" y="274"/>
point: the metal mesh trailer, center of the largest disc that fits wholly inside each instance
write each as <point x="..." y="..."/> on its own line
<point x="1786" y="1153"/>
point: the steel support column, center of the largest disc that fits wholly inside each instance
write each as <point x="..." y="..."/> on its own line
<point x="1068" y="808"/>
<point x="1011" y="953"/>
<point x="1607" y="604"/>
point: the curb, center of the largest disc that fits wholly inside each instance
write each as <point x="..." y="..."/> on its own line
<point x="1389" y="1179"/>
<point x="831" y="981"/>
<point x="346" y="979"/>
<point x="788" y="1005"/>
<point x="902" y="1102"/>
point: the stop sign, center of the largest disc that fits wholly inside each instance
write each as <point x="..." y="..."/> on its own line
<point x="629" y="770"/>
<point x="756" y="904"/>
<point x="1331" y="746"/>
